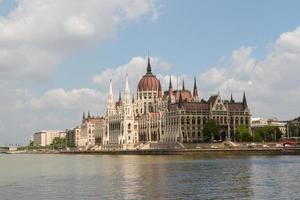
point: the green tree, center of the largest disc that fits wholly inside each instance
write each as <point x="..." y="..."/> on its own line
<point x="257" y="137"/>
<point x="210" y="130"/>
<point x="269" y="133"/>
<point x="243" y="134"/>
<point x="59" y="143"/>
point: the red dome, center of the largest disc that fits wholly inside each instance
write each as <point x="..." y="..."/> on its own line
<point x="149" y="82"/>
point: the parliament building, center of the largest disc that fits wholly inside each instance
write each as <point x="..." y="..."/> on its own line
<point x="158" y="116"/>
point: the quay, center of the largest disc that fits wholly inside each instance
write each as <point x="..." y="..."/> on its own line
<point x="236" y="151"/>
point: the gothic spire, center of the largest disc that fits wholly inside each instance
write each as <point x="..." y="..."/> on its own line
<point x="83" y="116"/>
<point x="149" y="70"/>
<point x="244" y="100"/>
<point x="169" y="101"/>
<point x="195" y="92"/>
<point x="110" y="96"/>
<point x="120" y="96"/>
<point x="126" y="83"/>
<point x="110" y="87"/>
<point x="126" y="96"/>
<point x="231" y="99"/>
<point x="180" y="102"/>
<point x="170" y="83"/>
<point x="89" y="115"/>
<point x="183" y="87"/>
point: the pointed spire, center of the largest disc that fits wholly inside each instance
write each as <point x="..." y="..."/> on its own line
<point x="195" y="92"/>
<point x="120" y="96"/>
<point x="183" y="87"/>
<point x="83" y="116"/>
<point x="244" y="100"/>
<point x="231" y="99"/>
<point x="110" y="97"/>
<point x="169" y="101"/>
<point x="170" y="83"/>
<point x="110" y="87"/>
<point x="180" y="102"/>
<point x="149" y="70"/>
<point x="89" y="115"/>
<point x="132" y="98"/>
<point x="126" y="83"/>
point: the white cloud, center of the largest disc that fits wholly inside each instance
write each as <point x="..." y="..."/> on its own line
<point x="24" y="112"/>
<point x="271" y="84"/>
<point x="37" y="35"/>
<point x="135" y="69"/>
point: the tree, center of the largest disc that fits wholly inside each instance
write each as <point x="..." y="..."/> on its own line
<point x="257" y="137"/>
<point x="243" y="134"/>
<point x="269" y="133"/>
<point x="59" y="143"/>
<point x="210" y="130"/>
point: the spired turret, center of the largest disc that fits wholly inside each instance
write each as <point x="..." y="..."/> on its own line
<point x="245" y="100"/>
<point x="126" y="91"/>
<point x="110" y="100"/>
<point x="195" y="91"/>
<point x="180" y="102"/>
<point x="83" y="117"/>
<point x="231" y="99"/>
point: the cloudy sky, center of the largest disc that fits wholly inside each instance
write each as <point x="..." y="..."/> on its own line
<point x="57" y="56"/>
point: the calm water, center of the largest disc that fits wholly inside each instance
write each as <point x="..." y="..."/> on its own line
<point x="148" y="177"/>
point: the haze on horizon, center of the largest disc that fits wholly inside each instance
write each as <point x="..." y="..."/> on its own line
<point x="56" y="57"/>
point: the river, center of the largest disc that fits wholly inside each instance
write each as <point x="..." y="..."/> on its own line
<point x="84" y="177"/>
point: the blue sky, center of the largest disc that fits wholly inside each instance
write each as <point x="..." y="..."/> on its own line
<point x="229" y="46"/>
<point x="191" y="35"/>
<point x="195" y="36"/>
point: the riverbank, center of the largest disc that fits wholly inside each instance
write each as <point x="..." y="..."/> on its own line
<point x="236" y="151"/>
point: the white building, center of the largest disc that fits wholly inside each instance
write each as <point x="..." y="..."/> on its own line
<point x="92" y="130"/>
<point x="158" y="117"/>
<point x="281" y="125"/>
<point x="258" y="122"/>
<point x="45" y="138"/>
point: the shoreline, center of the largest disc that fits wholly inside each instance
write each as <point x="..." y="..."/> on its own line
<point x="237" y="151"/>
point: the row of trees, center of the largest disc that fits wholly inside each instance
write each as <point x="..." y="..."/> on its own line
<point x="59" y="143"/>
<point x="267" y="134"/>
<point x="212" y="130"/>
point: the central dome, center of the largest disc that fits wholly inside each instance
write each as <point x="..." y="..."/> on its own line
<point x="149" y="82"/>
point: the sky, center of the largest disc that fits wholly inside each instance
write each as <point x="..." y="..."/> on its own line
<point x="57" y="56"/>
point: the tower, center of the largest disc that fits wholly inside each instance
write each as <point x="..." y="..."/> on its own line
<point x="195" y="91"/>
<point x="245" y="100"/>
<point x="231" y="99"/>
<point x="128" y="116"/>
<point x="110" y="100"/>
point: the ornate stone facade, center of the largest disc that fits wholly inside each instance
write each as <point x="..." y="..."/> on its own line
<point x="171" y="116"/>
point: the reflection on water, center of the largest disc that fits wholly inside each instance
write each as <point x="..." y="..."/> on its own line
<point x="148" y="177"/>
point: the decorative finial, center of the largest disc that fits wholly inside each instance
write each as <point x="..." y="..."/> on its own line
<point x="170" y="83"/>
<point x="149" y="70"/>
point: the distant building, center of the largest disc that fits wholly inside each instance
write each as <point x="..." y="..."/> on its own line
<point x="45" y="138"/>
<point x="281" y="125"/>
<point x="257" y="122"/>
<point x="293" y="128"/>
<point x="73" y="136"/>
<point x="92" y="130"/>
